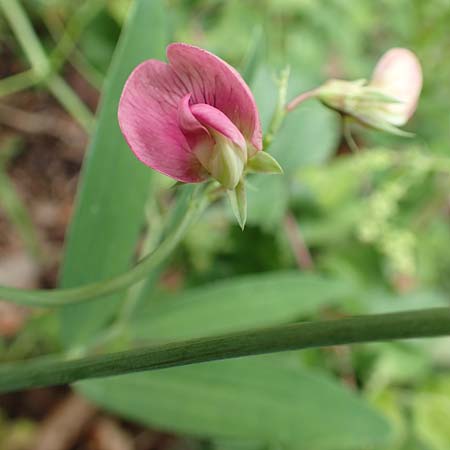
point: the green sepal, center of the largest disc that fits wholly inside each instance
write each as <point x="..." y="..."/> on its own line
<point x="177" y="185"/>
<point x="238" y="201"/>
<point x="382" y="125"/>
<point x="262" y="162"/>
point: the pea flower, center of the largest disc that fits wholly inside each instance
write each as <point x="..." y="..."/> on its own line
<point x="194" y="118"/>
<point x="385" y="103"/>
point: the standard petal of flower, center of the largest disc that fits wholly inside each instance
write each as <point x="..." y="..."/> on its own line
<point x="148" y="118"/>
<point x="212" y="81"/>
<point x="399" y="74"/>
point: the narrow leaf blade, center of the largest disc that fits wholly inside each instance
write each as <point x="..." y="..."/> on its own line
<point x="114" y="186"/>
<point x="252" y="398"/>
<point x="238" y="304"/>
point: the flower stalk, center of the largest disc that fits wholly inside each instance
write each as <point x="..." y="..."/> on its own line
<point x="370" y="328"/>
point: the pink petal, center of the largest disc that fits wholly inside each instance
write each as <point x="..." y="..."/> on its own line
<point x="148" y="118"/>
<point x="196" y="134"/>
<point x="217" y="120"/>
<point x="399" y="74"/>
<point x="213" y="82"/>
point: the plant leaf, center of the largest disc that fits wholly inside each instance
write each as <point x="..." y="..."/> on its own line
<point x="241" y="303"/>
<point x="252" y="398"/>
<point x="114" y="186"/>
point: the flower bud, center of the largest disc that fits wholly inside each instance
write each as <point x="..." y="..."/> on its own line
<point x="367" y="104"/>
<point x="398" y="74"/>
<point x="385" y="103"/>
<point x="342" y="96"/>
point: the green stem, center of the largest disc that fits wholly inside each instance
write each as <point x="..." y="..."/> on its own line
<point x="41" y="67"/>
<point x="18" y="82"/>
<point x="300" y="99"/>
<point x="369" y="328"/>
<point x="24" y="32"/>
<point x="17" y="212"/>
<point x="280" y="111"/>
<point x="86" y="69"/>
<point x="72" y="31"/>
<point x="60" y="297"/>
<point x="347" y="131"/>
<point x="70" y="101"/>
<point x="67" y="36"/>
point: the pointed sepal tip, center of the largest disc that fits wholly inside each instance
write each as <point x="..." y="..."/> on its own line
<point x="262" y="162"/>
<point x="238" y="201"/>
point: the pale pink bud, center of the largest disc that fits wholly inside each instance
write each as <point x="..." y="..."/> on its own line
<point x="398" y="74"/>
<point x="386" y="102"/>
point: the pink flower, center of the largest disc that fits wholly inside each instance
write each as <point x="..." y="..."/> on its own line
<point x="192" y="118"/>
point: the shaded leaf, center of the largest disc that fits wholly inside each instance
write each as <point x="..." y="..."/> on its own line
<point x="251" y="398"/>
<point x="237" y="304"/>
<point x="114" y="186"/>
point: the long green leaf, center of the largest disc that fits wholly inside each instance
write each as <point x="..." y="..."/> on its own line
<point x="237" y="304"/>
<point x="254" y="398"/>
<point x="114" y="186"/>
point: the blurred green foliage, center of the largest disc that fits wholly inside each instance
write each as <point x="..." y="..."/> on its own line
<point x="376" y="225"/>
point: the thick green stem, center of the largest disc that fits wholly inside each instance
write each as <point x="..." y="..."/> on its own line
<point x="380" y="327"/>
<point x="60" y="297"/>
